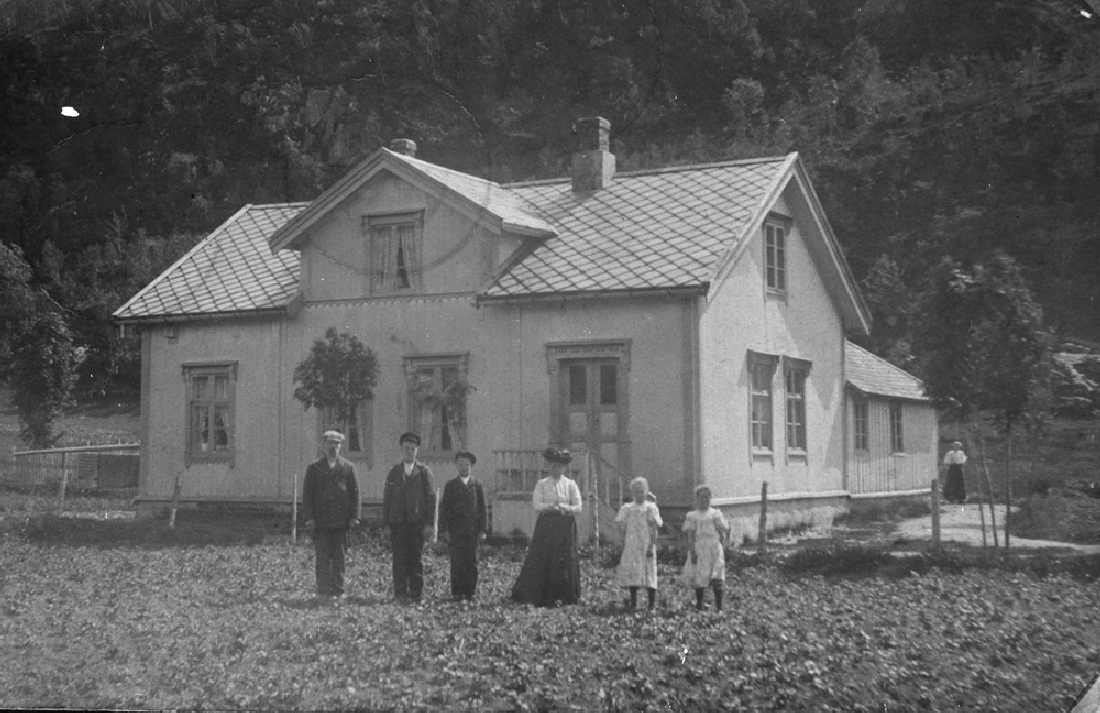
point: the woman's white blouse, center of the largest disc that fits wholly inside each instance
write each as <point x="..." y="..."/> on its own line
<point x="550" y="493"/>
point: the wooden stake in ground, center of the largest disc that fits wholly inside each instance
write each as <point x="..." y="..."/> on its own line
<point x="936" y="513"/>
<point x="989" y="489"/>
<point x="175" y="502"/>
<point x="762" y="533"/>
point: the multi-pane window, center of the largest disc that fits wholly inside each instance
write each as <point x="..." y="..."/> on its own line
<point x="775" y="256"/>
<point x="859" y="423"/>
<point x="210" y="394"/>
<point x="761" y="370"/>
<point x="437" y="398"/>
<point x="795" y="378"/>
<point x="395" y="251"/>
<point x="356" y="427"/>
<point x="897" y="435"/>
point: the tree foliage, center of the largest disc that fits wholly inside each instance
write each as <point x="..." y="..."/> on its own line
<point x="339" y="373"/>
<point x="931" y="128"/>
<point x="44" y="369"/>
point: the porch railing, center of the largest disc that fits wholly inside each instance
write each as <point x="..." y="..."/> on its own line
<point x="517" y="471"/>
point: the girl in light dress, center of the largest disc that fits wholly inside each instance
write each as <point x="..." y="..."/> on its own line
<point x="707" y="533"/>
<point x="640" y="519"/>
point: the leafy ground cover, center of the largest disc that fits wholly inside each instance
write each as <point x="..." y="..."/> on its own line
<point x="174" y="624"/>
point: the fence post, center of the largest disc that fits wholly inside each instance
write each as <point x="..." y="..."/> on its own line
<point x="935" y="513"/>
<point x="64" y="483"/>
<point x="594" y="501"/>
<point x="762" y="533"/>
<point x="294" y="508"/>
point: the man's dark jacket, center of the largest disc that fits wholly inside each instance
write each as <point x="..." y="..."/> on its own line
<point x="462" y="511"/>
<point x="408" y="500"/>
<point x="330" y="497"/>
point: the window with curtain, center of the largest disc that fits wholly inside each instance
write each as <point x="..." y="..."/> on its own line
<point x="211" y="392"/>
<point x="394" y="251"/>
<point x="437" y="402"/>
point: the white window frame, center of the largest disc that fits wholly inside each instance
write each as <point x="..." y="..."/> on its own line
<point x="395" y="238"/>
<point x="209" y="403"/>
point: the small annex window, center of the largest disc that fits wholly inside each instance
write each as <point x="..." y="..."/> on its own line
<point x="859" y="423"/>
<point x="776" y="229"/>
<point x="897" y="430"/>
<point x="395" y="247"/>
<point x="761" y="374"/>
<point x="210" y="435"/>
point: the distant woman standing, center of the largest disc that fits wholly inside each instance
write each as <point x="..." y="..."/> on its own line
<point x="551" y="573"/>
<point x="954" y="489"/>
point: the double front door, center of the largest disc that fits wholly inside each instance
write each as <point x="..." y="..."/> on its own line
<point x="592" y="399"/>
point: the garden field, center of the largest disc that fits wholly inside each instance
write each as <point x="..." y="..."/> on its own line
<point x="146" y="620"/>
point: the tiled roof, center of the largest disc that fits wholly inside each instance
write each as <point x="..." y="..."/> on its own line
<point x="875" y="375"/>
<point x="230" y="270"/>
<point x="646" y="230"/>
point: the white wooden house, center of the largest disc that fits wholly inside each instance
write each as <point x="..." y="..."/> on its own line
<point x="687" y="324"/>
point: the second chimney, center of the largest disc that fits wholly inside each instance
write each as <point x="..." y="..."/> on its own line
<point x="593" y="164"/>
<point x="403" y="146"/>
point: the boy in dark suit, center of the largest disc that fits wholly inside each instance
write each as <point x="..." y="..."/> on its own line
<point x="330" y="503"/>
<point x="463" y="516"/>
<point x="408" y="506"/>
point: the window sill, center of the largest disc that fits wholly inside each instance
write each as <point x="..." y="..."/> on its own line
<point x="763" y="453"/>
<point x="796" y="454"/>
<point x="227" y="459"/>
<point x="899" y="453"/>
<point x="776" y="294"/>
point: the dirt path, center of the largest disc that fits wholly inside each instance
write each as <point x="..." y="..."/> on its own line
<point x="963" y="524"/>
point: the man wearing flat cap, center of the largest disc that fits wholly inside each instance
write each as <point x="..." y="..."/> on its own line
<point x="408" y="506"/>
<point x="330" y="503"/>
<point x="464" y="518"/>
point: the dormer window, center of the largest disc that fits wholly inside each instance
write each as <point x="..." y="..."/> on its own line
<point x="394" y="251"/>
<point x="775" y="253"/>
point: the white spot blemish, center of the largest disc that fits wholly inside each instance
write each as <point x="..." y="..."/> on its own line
<point x="69" y="111"/>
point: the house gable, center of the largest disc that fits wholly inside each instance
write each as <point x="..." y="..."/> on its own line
<point x="792" y="187"/>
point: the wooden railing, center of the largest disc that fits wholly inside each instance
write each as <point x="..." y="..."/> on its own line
<point x="517" y="471"/>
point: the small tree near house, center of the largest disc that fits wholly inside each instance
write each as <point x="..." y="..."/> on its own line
<point x="339" y="374"/>
<point x="984" y="350"/>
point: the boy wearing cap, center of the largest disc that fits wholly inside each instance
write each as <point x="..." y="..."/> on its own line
<point x="463" y="516"/>
<point x="330" y="503"/>
<point x="408" y="505"/>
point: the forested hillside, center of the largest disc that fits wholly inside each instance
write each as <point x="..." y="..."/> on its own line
<point x="933" y="127"/>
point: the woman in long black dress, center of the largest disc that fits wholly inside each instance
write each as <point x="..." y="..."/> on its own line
<point x="954" y="487"/>
<point x="551" y="573"/>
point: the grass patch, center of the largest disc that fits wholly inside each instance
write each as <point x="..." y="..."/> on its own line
<point x="1054" y="517"/>
<point x="192" y="529"/>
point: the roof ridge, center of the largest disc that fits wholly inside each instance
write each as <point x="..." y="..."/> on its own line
<point x="655" y="171"/>
<point x="179" y="261"/>
<point x="887" y="362"/>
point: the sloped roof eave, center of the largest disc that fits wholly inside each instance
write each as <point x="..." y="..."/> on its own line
<point x="682" y="290"/>
<point x="883" y="393"/>
<point x="204" y="316"/>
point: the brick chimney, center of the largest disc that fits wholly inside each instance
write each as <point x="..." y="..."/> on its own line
<point x="593" y="164"/>
<point x="403" y="146"/>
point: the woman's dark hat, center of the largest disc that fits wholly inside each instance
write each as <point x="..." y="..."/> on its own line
<point x="409" y="436"/>
<point x="468" y="456"/>
<point x="557" y="455"/>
